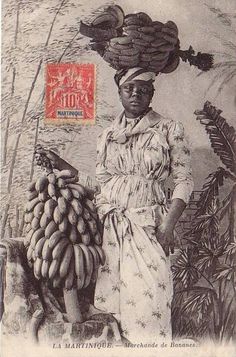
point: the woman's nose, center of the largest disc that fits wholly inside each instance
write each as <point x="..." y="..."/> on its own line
<point x="136" y="91"/>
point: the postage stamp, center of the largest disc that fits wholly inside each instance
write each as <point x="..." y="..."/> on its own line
<point x="70" y="93"/>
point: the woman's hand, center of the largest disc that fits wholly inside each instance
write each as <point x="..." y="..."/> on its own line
<point x="165" y="236"/>
<point x="56" y="161"/>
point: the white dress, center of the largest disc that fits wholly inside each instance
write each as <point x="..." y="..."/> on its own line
<point x="135" y="156"/>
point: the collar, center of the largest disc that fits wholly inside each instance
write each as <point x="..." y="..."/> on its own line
<point x="120" y="131"/>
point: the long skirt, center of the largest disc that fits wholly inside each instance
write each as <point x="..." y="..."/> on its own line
<point x="136" y="282"/>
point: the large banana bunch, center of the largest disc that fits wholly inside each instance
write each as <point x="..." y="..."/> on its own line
<point x="144" y="43"/>
<point x="63" y="235"/>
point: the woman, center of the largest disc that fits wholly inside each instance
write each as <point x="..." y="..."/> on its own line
<point x="135" y="156"/>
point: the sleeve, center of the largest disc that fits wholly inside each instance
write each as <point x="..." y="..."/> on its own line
<point x="102" y="174"/>
<point x="180" y="159"/>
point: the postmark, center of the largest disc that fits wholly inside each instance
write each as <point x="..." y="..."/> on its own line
<point x="70" y="93"/>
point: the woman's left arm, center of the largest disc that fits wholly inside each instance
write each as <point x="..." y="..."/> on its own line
<point x="183" y="182"/>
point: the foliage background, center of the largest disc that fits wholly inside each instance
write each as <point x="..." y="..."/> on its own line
<point x="39" y="31"/>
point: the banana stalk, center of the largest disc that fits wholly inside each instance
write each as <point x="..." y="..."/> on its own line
<point x="72" y="305"/>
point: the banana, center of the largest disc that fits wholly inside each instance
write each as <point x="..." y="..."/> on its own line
<point x="88" y="264"/>
<point x="39" y="233"/>
<point x="142" y="16"/>
<point x="124" y="40"/>
<point x="41" y="183"/>
<point x="140" y="48"/>
<point x="133" y="34"/>
<point x="147" y="29"/>
<point x="44" y="220"/>
<point x="100" y="253"/>
<point x="170" y="39"/>
<point x="166" y="48"/>
<point x="150" y="50"/>
<point x="63" y="225"/>
<point x="98" y="238"/>
<point x="71" y="180"/>
<point x="121" y="48"/>
<point x="31" y="204"/>
<point x="157" y="25"/>
<point x="50" y="229"/>
<point x="72" y="217"/>
<point x="155" y="56"/>
<point x="47" y="251"/>
<point x="130" y="52"/>
<point x="54" y="239"/>
<point x="132" y="19"/>
<point x="65" y="174"/>
<point x="171" y="25"/>
<point x="49" y="207"/>
<point x="62" y="205"/>
<point x="70" y="275"/>
<point x="76" y="194"/>
<point x="85" y="238"/>
<point x="89" y="204"/>
<point x="105" y="17"/>
<point x="114" y="50"/>
<point x="57" y="216"/>
<point x="79" y="266"/>
<point x="61" y="183"/>
<point x="39" y="247"/>
<point x="31" y="195"/>
<point x="76" y="206"/>
<point x="158" y="42"/>
<point x="52" y="178"/>
<point x="65" y="262"/>
<point x="74" y="236"/>
<point x="29" y="253"/>
<point x="27" y="238"/>
<point x="29" y="217"/>
<point x="140" y="42"/>
<point x="125" y="65"/>
<point x="143" y="64"/>
<point x="37" y="268"/>
<point x="56" y="282"/>
<point x="31" y="186"/>
<point x="53" y="268"/>
<point x="78" y="188"/>
<point x="35" y="223"/>
<point x="59" y="248"/>
<point x="38" y="210"/>
<point x="148" y="38"/>
<point x="81" y="225"/>
<point x="33" y="256"/>
<point x="43" y="196"/>
<point x="172" y="65"/>
<point x="92" y="226"/>
<point x="45" y="268"/>
<point x="66" y="193"/>
<point x="96" y="263"/>
<point x="86" y="214"/>
<point x="131" y="28"/>
<point x="52" y="190"/>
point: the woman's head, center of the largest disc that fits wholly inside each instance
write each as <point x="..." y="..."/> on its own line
<point x="136" y="90"/>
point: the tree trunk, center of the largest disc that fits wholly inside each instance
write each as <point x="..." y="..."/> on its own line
<point x="4" y="155"/>
<point x="4" y="220"/>
<point x="29" y="97"/>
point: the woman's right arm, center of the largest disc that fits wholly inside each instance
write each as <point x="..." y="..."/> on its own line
<point x="56" y="161"/>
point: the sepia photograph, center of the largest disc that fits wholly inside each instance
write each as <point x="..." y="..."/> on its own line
<point x="118" y="178"/>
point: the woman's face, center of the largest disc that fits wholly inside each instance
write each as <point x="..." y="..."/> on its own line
<point x="135" y="97"/>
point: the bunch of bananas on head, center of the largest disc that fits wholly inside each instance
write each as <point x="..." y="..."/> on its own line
<point x="134" y="40"/>
<point x="63" y="237"/>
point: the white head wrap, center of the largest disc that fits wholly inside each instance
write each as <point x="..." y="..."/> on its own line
<point x="145" y="76"/>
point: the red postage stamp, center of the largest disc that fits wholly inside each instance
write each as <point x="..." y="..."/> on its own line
<point x="70" y="93"/>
